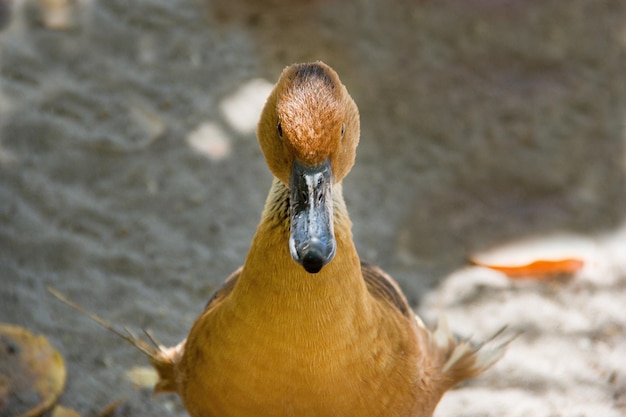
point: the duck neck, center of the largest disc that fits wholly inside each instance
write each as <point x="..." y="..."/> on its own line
<point x="273" y="278"/>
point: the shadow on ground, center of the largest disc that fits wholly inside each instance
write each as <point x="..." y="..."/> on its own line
<point x="482" y="122"/>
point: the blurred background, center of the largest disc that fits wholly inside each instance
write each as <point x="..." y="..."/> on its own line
<point x="131" y="179"/>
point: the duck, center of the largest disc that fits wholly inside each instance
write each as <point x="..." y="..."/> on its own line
<point x="305" y="327"/>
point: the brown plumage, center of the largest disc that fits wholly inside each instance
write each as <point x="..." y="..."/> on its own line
<point x="304" y="328"/>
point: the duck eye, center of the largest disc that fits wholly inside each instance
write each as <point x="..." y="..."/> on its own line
<point x="343" y="129"/>
<point x="279" y="130"/>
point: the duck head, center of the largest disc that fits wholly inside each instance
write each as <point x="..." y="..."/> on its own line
<point x="309" y="131"/>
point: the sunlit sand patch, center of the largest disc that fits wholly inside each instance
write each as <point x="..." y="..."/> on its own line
<point x="58" y="14"/>
<point x="148" y="122"/>
<point x="569" y="331"/>
<point x="142" y="376"/>
<point x="613" y="245"/>
<point x="61" y="411"/>
<point x="242" y="108"/>
<point x="211" y="141"/>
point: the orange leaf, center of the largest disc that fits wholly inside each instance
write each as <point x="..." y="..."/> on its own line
<point x="540" y="269"/>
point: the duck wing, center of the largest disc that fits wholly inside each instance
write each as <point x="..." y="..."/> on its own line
<point x="382" y="287"/>
<point x="224" y="290"/>
<point x="455" y="358"/>
<point x="165" y="360"/>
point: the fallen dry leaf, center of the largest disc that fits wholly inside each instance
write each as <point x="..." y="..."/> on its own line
<point x="542" y="257"/>
<point x="540" y="269"/>
<point x="32" y="373"/>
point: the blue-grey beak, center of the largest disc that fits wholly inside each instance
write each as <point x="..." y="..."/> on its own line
<point x="312" y="239"/>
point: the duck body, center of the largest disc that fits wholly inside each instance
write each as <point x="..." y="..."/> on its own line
<point x="288" y="343"/>
<point x="305" y="328"/>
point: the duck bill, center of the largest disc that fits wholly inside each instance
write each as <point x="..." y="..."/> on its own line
<point x="312" y="239"/>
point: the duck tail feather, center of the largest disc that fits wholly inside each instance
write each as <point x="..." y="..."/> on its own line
<point x="163" y="359"/>
<point x="463" y="359"/>
<point x="165" y="363"/>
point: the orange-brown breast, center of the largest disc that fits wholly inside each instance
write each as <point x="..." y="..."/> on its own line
<point x="315" y="346"/>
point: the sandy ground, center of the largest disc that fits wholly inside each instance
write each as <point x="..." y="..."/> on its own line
<point x="131" y="180"/>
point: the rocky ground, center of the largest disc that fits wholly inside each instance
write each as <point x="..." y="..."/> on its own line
<point x="131" y="180"/>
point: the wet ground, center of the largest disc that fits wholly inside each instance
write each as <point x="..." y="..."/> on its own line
<point x="131" y="180"/>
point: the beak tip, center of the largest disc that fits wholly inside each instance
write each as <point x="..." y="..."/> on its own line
<point x="315" y="256"/>
<point x="313" y="262"/>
